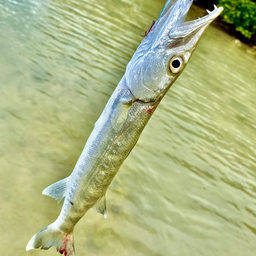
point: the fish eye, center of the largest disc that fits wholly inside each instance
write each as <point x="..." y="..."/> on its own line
<point x="176" y="64"/>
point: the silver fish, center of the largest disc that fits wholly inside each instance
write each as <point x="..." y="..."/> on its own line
<point x="156" y="64"/>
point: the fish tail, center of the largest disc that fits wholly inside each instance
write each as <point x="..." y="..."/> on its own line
<point x="53" y="236"/>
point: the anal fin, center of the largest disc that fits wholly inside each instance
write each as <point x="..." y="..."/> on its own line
<point x="56" y="190"/>
<point x="101" y="207"/>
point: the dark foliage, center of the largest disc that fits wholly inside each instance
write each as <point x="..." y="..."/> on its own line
<point x="239" y="14"/>
<point x="207" y="3"/>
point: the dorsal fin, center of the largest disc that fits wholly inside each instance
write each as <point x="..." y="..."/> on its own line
<point x="56" y="190"/>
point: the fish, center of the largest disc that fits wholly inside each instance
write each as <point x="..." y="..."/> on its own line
<point x="157" y="63"/>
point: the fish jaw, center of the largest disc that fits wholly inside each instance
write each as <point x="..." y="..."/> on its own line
<point x="149" y="74"/>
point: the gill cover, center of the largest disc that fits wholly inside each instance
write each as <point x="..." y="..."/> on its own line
<point x="151" y="71"/>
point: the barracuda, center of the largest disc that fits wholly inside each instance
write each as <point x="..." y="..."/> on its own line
<point x="156" y="64"/>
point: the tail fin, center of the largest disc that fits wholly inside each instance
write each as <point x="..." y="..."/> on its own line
<point x="52" y="236"/>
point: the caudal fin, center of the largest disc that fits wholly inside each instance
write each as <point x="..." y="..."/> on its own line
<point x="52" y="236"/>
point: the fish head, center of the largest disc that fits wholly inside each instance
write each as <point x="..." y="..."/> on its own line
<point x="165" y="51"/>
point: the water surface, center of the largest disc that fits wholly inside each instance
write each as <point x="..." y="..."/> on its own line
<point x="189" y="186"/>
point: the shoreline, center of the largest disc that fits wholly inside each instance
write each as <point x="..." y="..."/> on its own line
<point x="241" y="42"/>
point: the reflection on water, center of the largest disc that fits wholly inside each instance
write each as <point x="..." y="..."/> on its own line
<point x="188" y="187"/>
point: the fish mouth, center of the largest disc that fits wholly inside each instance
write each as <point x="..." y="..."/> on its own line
<point x="190" y="27"/>
<point x="173" y="16"/>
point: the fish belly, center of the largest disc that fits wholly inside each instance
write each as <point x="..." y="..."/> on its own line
<point x="114" y="136"/>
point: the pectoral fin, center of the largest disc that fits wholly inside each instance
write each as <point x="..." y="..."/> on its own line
<point x="56" y="190"/>
<point x="100" y="207"/>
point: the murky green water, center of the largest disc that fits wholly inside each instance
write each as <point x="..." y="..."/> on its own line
<point x="189" y="186"/>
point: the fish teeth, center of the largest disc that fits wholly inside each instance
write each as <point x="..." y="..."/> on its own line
<point x="215" y="8"/>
